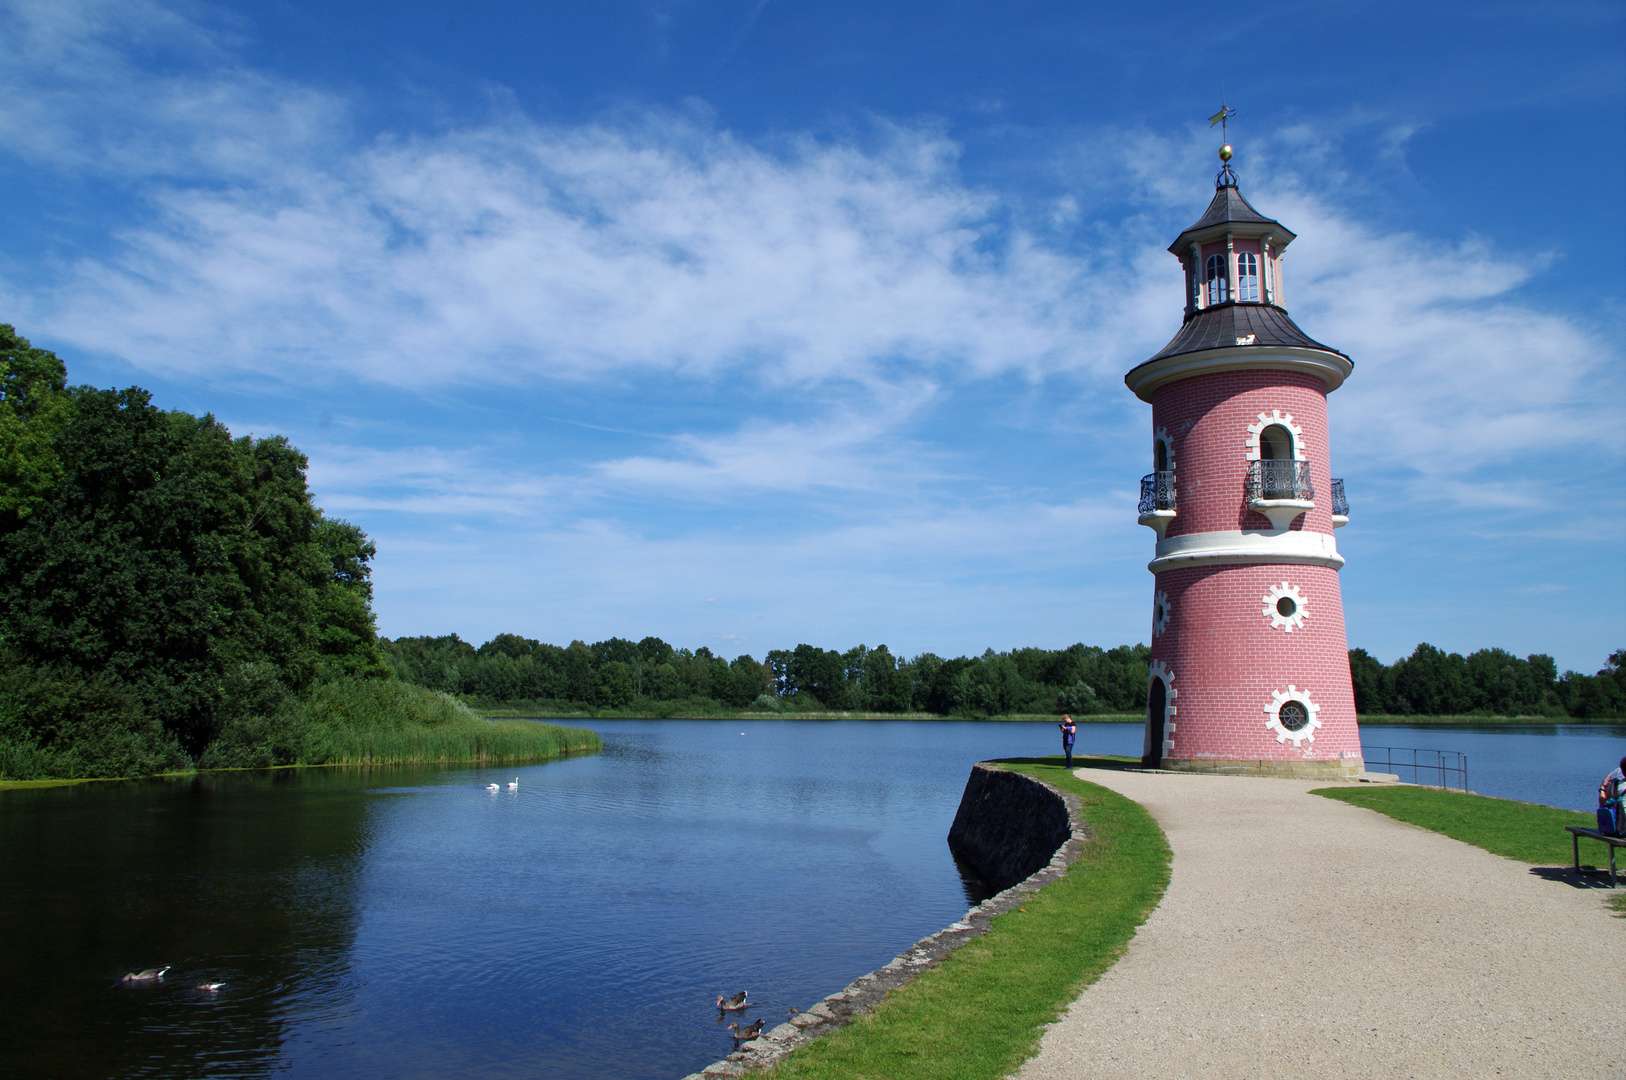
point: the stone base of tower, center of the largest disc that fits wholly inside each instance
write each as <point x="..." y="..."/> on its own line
<point x="1322" y="769"/>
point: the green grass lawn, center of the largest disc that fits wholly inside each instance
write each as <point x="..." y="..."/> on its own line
<point x="1524" y="831"/>
<point x="978" y="1015"/>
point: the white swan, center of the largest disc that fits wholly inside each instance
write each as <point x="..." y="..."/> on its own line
<point x="492" y="787"/>
<point x="515" y="785"/>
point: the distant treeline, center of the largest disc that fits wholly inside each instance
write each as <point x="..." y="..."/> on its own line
<point x="1494" y="682"/>
<point x="652" y="678"/>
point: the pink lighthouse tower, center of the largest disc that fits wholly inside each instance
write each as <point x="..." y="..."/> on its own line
<point x="1250" y="667"/>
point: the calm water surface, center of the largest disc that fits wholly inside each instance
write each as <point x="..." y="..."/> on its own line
<point x="407" y="923"/>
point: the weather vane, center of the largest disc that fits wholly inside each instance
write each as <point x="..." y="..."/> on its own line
<point x="1222" y="118"/>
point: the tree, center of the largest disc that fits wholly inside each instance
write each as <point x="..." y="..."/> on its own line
<point x="33" y="410"/>
<point x="163" y="555"/>
<point x="1372" y="681"/>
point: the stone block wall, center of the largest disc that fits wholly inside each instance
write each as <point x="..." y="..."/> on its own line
<point x="1008" y="825"/>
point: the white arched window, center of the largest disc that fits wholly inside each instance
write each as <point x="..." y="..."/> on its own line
<point x="1275" y="444"/>
<point x="1219" y="282"/>
<point x="1247" y="277"/>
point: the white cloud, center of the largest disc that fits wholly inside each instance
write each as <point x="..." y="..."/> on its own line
<point x="517" y="251"/>
<point x="855" y="448"/>
<point x="1452" y="372"/>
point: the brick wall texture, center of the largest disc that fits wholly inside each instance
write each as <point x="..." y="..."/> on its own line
<point x="1207" y="417"/>
<point x="1225" y="656"/>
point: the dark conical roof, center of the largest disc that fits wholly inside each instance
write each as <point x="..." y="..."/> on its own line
<point x="1229" y="208"/>
<point x="1230" y="325"/>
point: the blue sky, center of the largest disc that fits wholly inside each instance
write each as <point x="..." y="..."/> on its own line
<point x="752" y="323"/>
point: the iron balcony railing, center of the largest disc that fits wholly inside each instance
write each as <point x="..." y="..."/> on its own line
<point x="1436" y="768"/>
<point x="1279" y="480"/>
<point x="1340" y="505"/>
<point x="1157" y="492"/>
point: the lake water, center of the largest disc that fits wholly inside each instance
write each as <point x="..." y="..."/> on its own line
<point x="408" y="923"/>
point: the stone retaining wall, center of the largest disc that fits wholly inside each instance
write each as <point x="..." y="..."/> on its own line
<point x="1008" y="825"/>
<point x="1004" y="824"/>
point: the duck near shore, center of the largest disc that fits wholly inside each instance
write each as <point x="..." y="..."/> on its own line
<point x="731" y="1004"/>
<point x="747" y="1033"/>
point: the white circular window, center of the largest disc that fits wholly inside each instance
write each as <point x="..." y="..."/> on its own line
<point x="1285" y="607"/>
<point x="1160" y="613"/>
<point x="1292" y="715"/>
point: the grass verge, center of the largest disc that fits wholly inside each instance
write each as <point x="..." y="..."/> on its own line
<point x="1528" y="832"/>
<point x="979" y="1014"/>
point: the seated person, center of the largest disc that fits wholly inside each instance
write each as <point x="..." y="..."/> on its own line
<point x="1609" y="799"/>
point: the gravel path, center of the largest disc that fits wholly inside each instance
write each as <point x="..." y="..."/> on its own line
<point x="1306" y="938"/>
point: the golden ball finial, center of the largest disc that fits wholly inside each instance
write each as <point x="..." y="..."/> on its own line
<point x="1225" y="152"/>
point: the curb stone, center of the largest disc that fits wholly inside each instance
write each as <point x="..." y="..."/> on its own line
<point x="864" y="993"/>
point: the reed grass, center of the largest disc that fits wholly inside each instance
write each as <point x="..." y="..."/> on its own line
<point x="979" y="1014"/>
<point x="372" y="722"/>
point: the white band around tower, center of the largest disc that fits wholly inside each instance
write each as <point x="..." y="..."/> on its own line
<point x="1236" y="546"/>
<point x="1331" y="368"/>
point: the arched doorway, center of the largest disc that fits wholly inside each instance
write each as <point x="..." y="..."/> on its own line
<point x="1157" y="699"/>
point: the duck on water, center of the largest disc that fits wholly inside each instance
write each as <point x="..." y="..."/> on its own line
<point x="146" y="975"/>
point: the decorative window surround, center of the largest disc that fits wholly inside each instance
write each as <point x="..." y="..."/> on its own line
<point x="1161" y="435"/>
<point x="1160" y="613"/>
<point x="1270" y="419"/>
<point x="1298" y="608"/>
<point x="1274" y="711"/>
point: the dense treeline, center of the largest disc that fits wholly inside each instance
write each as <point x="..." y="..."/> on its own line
<point x="170" y="596"/>
<point x="1493" y="682"/>
<point x="651" y="678"/>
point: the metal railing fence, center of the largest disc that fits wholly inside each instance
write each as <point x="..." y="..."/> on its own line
<point x="1157" y="492"/>
<point x="1340" y="504"/>
<point x="1445" y="768"/>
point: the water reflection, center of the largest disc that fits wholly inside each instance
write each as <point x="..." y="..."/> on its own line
<point x="213" y="876"/>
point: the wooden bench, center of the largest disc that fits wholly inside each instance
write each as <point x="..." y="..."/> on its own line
<point x="1576" y="832"/>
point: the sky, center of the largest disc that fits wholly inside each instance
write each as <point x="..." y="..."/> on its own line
<point x="752" y="323"/>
